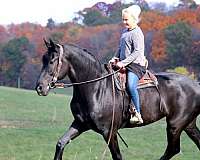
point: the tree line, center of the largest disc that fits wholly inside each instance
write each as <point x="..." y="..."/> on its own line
<point x="172" y="39"/>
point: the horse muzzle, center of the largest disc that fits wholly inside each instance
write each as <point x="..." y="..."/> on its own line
<point x="42" y="90"/>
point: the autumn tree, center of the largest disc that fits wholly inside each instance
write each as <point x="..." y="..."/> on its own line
<point x="159" y="46"/>
<point x="155" y="21"/>
<point x="168" y="40"/>
<point x="3" y="34"/>
<point x="186" y="15"/>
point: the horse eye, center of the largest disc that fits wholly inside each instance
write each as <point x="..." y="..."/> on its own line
<point x="51" y="73"/>
<point x="52" y="56"/>
<point x="51" y="62"/>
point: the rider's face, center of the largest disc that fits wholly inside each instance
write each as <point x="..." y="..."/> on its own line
<point x="128" y="20"/>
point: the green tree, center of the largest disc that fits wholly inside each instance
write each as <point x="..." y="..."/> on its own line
<point x="98" y="16"/>
<point x="143" y="4"/>
<point x="115" y="15"/>
<point x="187" y="4"/>
<point x="57" y="36"/>
<point x="93" y="17"/>
<point x="12" y="54"/>
<point x="194" y="57"/>
<point x="179" y="41"/>
<point x="50" y="24"/>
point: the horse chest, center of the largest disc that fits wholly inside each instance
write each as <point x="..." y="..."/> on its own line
<point x="81" y="110"/>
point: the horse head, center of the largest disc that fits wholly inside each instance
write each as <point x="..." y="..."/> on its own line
<point x="52" y="62"/>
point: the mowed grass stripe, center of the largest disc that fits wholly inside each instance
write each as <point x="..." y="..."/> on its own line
<point x="30" y="126"/>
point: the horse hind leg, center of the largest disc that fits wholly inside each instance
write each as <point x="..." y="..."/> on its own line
<point x="193" y="132"/>
<point x="173" y="138"/>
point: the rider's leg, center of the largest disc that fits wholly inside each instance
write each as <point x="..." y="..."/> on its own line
<point x="132" y="86"/>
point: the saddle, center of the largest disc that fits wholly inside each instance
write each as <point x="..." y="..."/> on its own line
<point x="148" y="80"/>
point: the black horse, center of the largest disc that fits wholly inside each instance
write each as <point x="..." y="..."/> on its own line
<point x="92" y="104"/>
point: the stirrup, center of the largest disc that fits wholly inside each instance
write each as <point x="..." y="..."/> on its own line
<point x="132" y="109"/>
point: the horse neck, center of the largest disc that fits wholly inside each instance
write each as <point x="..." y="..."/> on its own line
<point x="83" y="65"/>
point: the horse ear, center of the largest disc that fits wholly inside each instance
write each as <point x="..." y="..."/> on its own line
<point x="46" y="43"/>
<point x="52" y="44"/>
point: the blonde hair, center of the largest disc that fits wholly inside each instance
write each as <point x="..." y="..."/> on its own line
<point x="134" y="11"/>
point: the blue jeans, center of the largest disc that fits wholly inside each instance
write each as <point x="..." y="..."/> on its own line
<point x="132" y="87"/>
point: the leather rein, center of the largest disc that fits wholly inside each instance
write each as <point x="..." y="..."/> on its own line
<point x="55" y="84"/>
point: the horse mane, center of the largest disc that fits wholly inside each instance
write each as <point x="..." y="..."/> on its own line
<point x="86" y="56"/>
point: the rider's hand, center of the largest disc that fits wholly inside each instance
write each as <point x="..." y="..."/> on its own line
<point x="120" y="65"/>
<point x="114" y="60"/>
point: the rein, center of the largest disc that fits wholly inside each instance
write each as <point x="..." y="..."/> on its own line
<point x="112" y="121"/>
<point x="55" y="84"/>
<point x="66" y="85"/>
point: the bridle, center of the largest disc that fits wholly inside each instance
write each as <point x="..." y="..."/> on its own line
<point x="59" y="65"/>
<point x="55" y="84"/>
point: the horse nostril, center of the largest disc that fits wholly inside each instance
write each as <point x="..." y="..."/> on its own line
<point x="52" y="85"/>
<point x="39" y="88"/>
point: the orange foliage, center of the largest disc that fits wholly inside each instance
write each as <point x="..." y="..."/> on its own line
<point x="198" y="18"/>
<point x="3" y="34"/>
<point x="5" y="66"/>
<point x="103" y="39"/>
<point x="186" y="15"/>
<point x="34" y="32"/>
<point x="157" y="22"/>
<point x="2" y="29"/>
<point x="153" y="20"/>
<point x="159" y="46"/>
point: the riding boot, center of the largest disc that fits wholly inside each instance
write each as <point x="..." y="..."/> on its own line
<point x="136" y="119"/>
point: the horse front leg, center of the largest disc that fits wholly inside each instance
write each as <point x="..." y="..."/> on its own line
<point x="74" y="131"/>
<point x="114" y="147"/>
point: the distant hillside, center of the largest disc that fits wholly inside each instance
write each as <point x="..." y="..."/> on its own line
<point x="172" y="39"/>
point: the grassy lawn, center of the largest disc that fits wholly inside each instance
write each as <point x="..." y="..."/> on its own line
<point x="30" y="126"/>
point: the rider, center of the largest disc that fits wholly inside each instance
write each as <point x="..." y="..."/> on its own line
<point x="131" y="55"/>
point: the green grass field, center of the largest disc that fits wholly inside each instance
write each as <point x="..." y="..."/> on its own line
<point x="30" y="126"/>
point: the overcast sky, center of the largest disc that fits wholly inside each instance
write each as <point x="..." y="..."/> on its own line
<point x="38" y="11"/>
